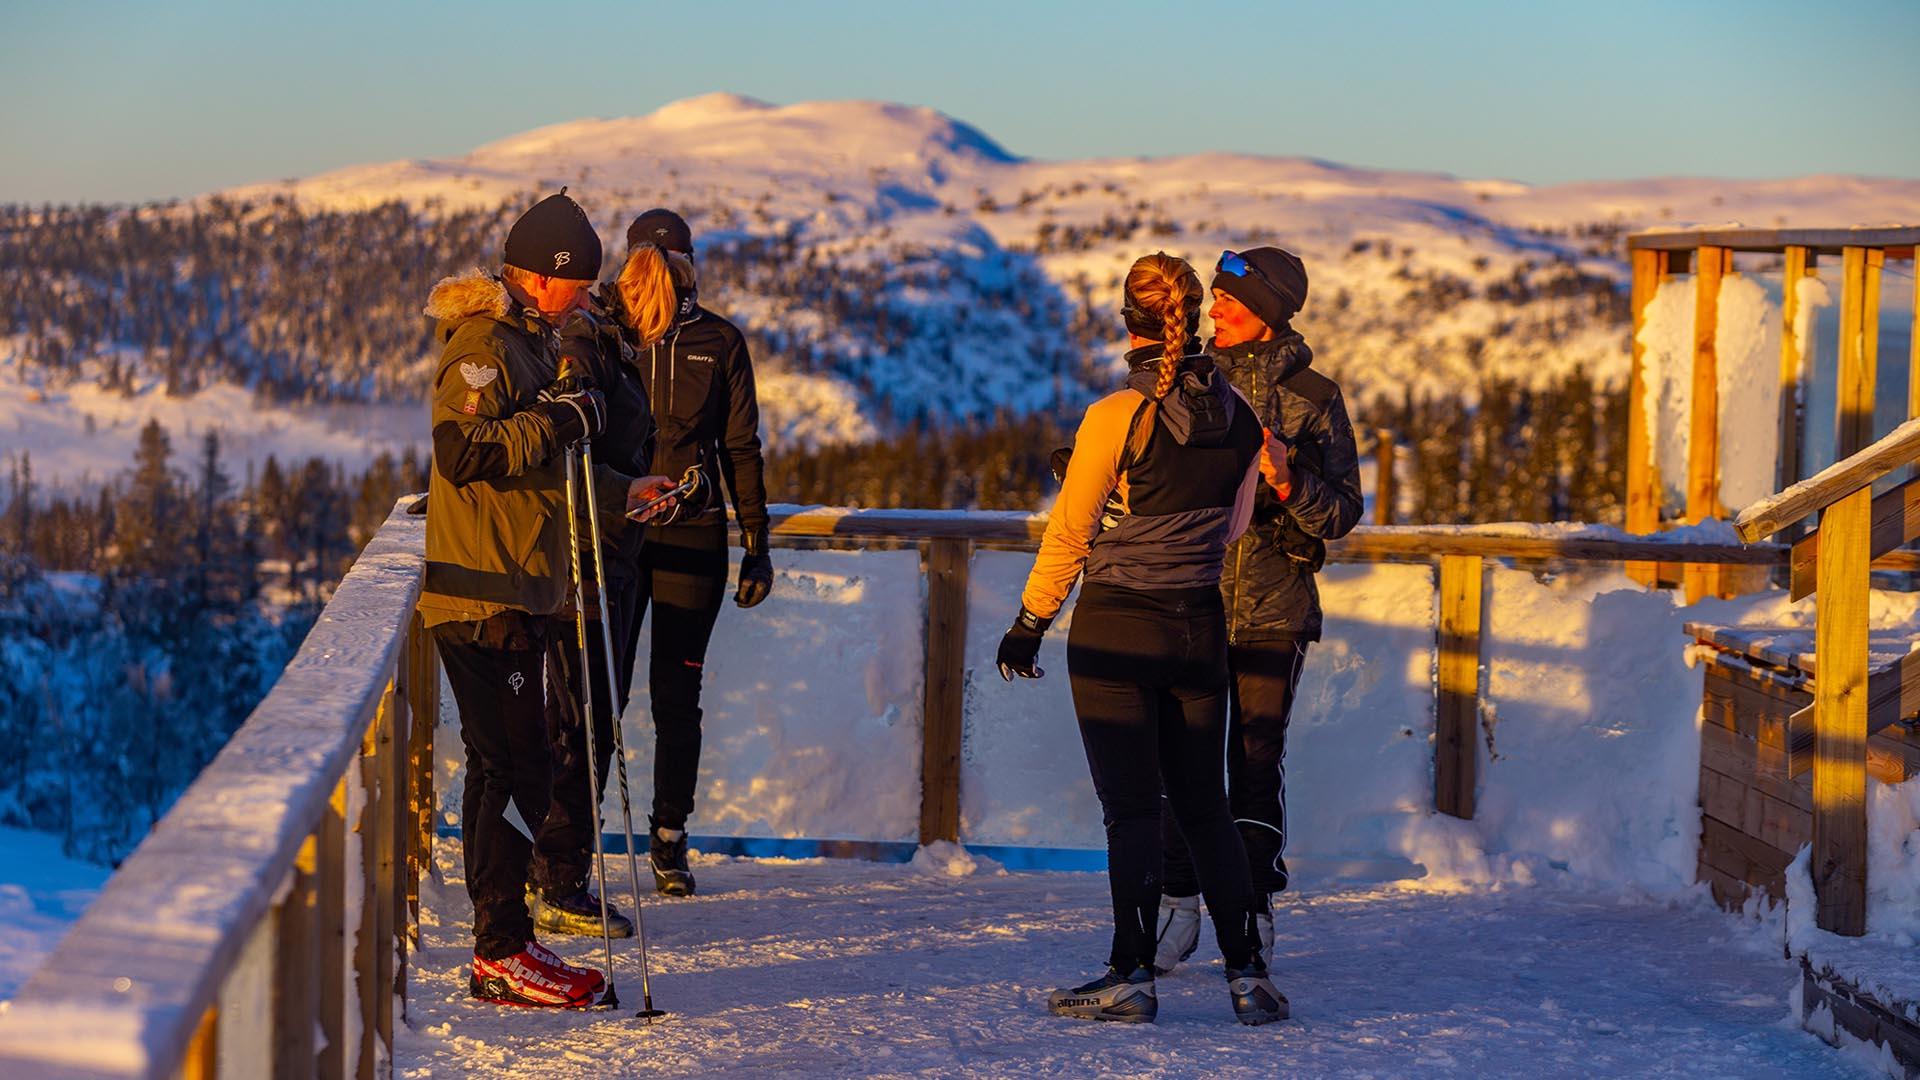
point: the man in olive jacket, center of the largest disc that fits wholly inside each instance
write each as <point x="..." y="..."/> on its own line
<point x="497" y="566"/>
<point x="1273" y="605"/>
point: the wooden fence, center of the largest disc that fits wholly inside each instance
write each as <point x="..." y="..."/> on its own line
<point x="1709" y="255"/>
<point x="223" y="946"/>
<point x="1849" y="705"/>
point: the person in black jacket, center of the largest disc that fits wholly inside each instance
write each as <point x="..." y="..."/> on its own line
<point x="593" y="349"/>
<point x="1312" y="495"/>
<point x="699" y="380"/>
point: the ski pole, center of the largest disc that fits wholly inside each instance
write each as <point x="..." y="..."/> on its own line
<point x="647" y="1011"/>
<point x="609" y="999"/>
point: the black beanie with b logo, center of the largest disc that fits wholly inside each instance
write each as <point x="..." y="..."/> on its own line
<point x="556" y="239"/>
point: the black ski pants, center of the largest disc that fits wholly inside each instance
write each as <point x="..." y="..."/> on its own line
<point x="1149" y="675"/>
<point x="1266" y="679"/>
<point x="563" y="855"/>
<point x="498" y="683"/>
<point x="683" y="576"/>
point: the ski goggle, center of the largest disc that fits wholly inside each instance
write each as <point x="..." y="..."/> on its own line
<point x="1232" y="262"/>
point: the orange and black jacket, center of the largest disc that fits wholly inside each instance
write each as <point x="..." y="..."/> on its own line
<point x="1162" y="519"/>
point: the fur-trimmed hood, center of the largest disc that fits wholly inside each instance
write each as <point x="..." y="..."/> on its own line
<point x="467" y="294"/>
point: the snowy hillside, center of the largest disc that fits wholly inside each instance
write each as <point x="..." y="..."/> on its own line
<point x="891" y="265"/>
<point x="1408" y="268"/>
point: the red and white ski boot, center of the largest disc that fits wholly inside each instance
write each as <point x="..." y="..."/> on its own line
<point x="536" y="978"/>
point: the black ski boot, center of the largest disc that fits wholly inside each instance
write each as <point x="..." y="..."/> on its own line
<point x="671" y="877"/>
<point x="576" y="912"/>
<point x="1255" y="999"/>
<point x="1126" y="997"/>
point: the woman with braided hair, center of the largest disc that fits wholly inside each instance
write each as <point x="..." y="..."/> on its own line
<point x="1160" y="480"/>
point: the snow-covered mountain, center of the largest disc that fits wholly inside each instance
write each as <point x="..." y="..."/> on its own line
<point x="896" y="264"/>
<point x="1418" y="278"/>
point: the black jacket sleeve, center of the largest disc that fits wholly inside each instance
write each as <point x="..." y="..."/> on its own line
<point x="1327" y="504"/>
<point x="740" y="460"/>
<point x="626" y="444"/>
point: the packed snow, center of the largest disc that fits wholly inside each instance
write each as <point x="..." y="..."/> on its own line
<point x="42" y="892"/>
<point x="824" y="967"/>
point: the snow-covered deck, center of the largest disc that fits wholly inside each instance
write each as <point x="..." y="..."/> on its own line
<point x="812" y="967"/>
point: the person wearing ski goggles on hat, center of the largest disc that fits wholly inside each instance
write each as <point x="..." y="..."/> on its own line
<point x="1161" y="477"/>
<point x="1311" y="496"/>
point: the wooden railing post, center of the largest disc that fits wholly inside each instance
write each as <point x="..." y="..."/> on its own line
<point x="1384" y="492"/>
<point x="366" y="941"/>
<point x="943" y="712"/>
<point x="332" y="884"/>
<point x="1913" y="341"/>
<point x="1457" y="720"/>
<point x="1839" y="862"/>
<point x="381" y="892"/>
<point x="296" y="969"/>
<point x="1703" y="438"/>
<point x="203" y="1053"/>
<point x="1643" y="482"/>
<point x="1859" y="348"/>
<point x="1799" y="266"/>
<point x="422" y="673"/>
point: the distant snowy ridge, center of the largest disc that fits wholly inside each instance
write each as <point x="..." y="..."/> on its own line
<point x="895" y="265"/>
<point x="1412" y="271"/>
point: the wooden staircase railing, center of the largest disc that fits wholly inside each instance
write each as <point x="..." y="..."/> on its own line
<point x="1855" y="529"/>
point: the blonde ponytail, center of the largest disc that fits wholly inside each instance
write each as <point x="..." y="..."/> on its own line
<point x="1164" y="285"/>
<point x="646" y="285"/>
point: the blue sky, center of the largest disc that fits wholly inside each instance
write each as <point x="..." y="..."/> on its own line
<point x="123" y="101"/>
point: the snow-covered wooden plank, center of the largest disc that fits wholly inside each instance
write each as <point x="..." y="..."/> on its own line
<point x="1773" y="513"/>
<point x="124" y="992"/>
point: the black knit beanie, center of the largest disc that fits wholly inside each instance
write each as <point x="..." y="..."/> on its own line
<point x="1276" y="293"/>
<point x="556" y="239"/>
<point x="663" y="228"/>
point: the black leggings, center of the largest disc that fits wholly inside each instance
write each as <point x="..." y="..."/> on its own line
<point x="1149" y="674"/>
<point x="1266" y="678"/>
<point x="683" y="575"/>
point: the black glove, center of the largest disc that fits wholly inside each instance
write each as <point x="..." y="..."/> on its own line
<point x="756" y="569"/>
<point x="575" y="408"/>
<point x="1021" y="647"/>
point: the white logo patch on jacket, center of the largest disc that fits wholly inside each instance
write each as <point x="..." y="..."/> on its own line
<point x="478" y="375"/>
<point x="702" y="357"/>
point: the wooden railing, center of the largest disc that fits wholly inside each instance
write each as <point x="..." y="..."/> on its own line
<point x="1708" y="254"/>
<point x="1856" y="528"/>
<point x="221" y="947"/>
<point x="1460" y="554"/>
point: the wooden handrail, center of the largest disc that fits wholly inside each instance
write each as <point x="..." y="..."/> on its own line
<point x="1778" y="240"/>
<point x="133" y="981"/>
<point x="1366" y="543"/>
<point x="1830" y="485"/>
